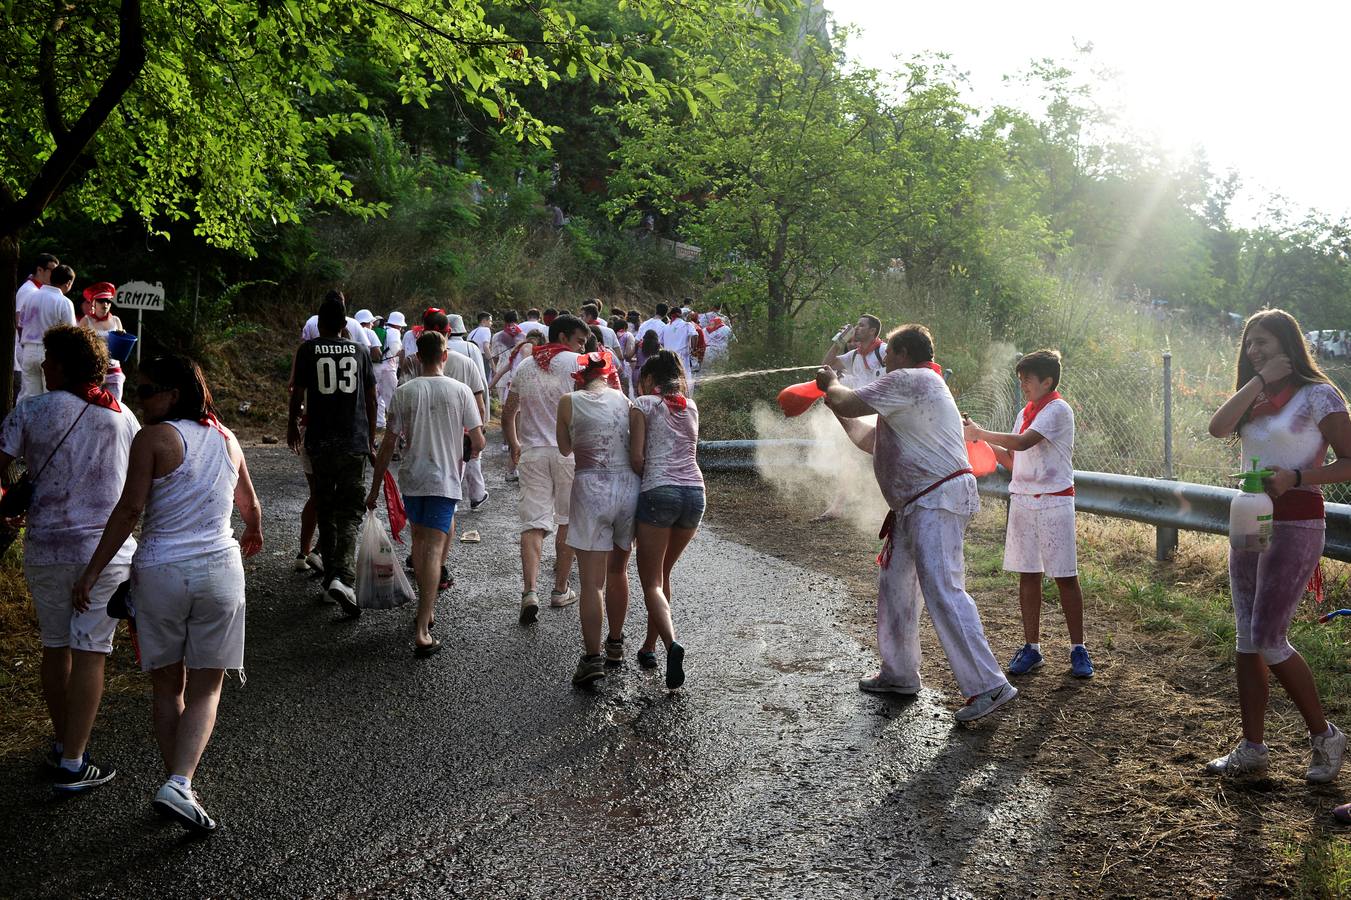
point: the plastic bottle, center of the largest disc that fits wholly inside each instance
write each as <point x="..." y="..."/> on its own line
<point x="1250" y="512"/>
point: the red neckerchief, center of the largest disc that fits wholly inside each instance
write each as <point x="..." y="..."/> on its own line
<point x="210" y="421"/>
<point x="417" y="331"/>
<point x="103" y="318"/>
<point x="675" y="403"/>
<point x="36" y="283"/>
<point x="714" y="324"/>
<point x="98" y="395"/>
<point x="934" y="367"/>
<point x="612" y="376"/>
<point x="1030" y="410"/>
<point x="864" y="352"/>
<point x="549" y="318"/>
<point x="512" y="329"/>
<point x="545" y="353"/>
<point x="1268" y="404"/>
<point x="591" y="366"/>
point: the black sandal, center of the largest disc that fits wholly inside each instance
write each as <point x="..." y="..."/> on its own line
<point x="425" y="650"/>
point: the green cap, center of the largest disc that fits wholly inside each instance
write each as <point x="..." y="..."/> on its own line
<point x="1252" y="481"/>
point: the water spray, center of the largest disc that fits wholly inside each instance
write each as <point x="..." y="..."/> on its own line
<point x="710" y="378"/>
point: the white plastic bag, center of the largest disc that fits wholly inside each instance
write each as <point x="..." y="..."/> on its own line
<point x="381" y="582"/>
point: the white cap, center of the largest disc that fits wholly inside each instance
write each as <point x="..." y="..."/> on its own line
<point x="396" y="319"/>
<point x="455" y="323"/>
<point x="363" y="316"/>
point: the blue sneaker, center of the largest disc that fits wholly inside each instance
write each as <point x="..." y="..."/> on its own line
<point x="1080" y="665"/>
<point x="1025" y="660"/>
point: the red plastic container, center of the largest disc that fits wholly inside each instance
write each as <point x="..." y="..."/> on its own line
<point x="796" y="399"/>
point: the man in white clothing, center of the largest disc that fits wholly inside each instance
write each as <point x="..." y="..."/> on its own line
<point x="44" y="308"/>
<point x="529" y="421"/>
<point x="532" y="323"/>
<point x="679" y="337"/>
<point x="387" y="371"/>
<point x="919" y="459"/>
<point x="862" y="363"/>
<point x="481" y="337"/>
<point x="433" y="415"/>
<point x="475" y="489"/>
<point x="42" y="274"/>
<point x="656" y="323"/>
<point x="591" y="316"/>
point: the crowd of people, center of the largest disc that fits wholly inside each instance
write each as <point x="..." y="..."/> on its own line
<point x="601" y="433"/>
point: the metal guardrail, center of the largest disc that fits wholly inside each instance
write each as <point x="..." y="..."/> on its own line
<point x="1153" y="501"/>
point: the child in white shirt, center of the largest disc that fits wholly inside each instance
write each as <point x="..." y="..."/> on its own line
<point x="1040" y="539"/>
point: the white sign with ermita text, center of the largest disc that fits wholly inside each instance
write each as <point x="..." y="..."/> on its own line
<point x="140" y="295"/>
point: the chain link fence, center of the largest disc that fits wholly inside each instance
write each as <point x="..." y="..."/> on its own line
<point x="1125" y="408"/>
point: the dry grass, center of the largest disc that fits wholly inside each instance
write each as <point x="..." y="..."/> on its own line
<point x="23" y="714"/>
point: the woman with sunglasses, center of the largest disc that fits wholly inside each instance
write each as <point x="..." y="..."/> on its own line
<point x="186" y="471"/>
<point x="98" y="309"/>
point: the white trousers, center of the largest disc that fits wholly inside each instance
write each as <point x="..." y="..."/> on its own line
<point x="472" y="486"/>
<point x="386" y="380"/>
<point x="926" y="563"/>
<point x="30" y="360"/>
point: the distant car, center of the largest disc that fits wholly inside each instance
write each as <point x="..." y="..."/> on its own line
<point x="1329" y="343"/>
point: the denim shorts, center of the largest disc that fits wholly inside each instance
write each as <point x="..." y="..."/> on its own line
<point x="431" y="512"/>
<point x="671" y="506"/>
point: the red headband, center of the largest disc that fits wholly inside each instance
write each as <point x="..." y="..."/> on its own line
<point x="591" y="366"/>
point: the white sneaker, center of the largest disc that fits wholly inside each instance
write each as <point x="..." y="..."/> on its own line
<point x="1328" y="753"/>
<point x="567" y="598"/>
<point x="344" y="597"/>
<point x="180" y="804"/>
<point x="300" y="564"/>
<point x="876" y="685"/>
<point x="529" y="607"/>
<point x="1244" y="759"/>
<point x="983" y="704"/>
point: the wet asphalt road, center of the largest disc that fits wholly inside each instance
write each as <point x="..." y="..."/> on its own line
<point x="347" y="767"/>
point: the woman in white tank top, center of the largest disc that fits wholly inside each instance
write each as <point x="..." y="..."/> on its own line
<point x="593" y="425"/>
<point x="186" y="471"/>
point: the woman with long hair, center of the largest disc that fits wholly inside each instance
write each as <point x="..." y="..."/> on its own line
<point x="186" y="471"/>
<point x="593" y="426"/>
<point x="1286" y="414"/>
<point x="663" y="440"/>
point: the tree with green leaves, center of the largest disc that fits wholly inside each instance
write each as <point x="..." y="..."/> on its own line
<point x="205" y="111"/>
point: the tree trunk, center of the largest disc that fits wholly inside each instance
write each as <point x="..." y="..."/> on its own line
<point x="780" y="324"/>
<point x="9" y="286"/>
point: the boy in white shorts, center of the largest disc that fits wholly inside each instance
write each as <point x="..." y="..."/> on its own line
<point x="530" y="425"/>
<point x="1040" y="539"/>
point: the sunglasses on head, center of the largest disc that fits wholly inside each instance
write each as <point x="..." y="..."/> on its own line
<point x="146" y="391"/>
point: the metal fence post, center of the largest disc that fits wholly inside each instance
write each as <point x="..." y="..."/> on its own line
<point x="1165" y="539"/>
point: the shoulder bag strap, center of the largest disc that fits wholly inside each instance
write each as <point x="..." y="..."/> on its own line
<point x="63" y="441"/>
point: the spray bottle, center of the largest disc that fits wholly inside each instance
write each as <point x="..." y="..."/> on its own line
<point x="1250" y="513"/>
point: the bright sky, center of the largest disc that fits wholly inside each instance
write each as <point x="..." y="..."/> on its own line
<point x="1263" y="89"/>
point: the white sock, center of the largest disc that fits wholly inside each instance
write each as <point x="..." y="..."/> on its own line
<point x="1074" y="647"/>
<point x="72" y="765"/>
<point x="1036" y="647"/>
<point x="182" y="781"/>
<point x="1327" y="734"/>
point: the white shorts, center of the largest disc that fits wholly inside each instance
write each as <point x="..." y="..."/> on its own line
<point x="191" y="611"/>
<point x="58" y="622"/>
<point x="546" y="488"/>
<point x="1040" y="536"/>
<point x="603" y="505"/>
